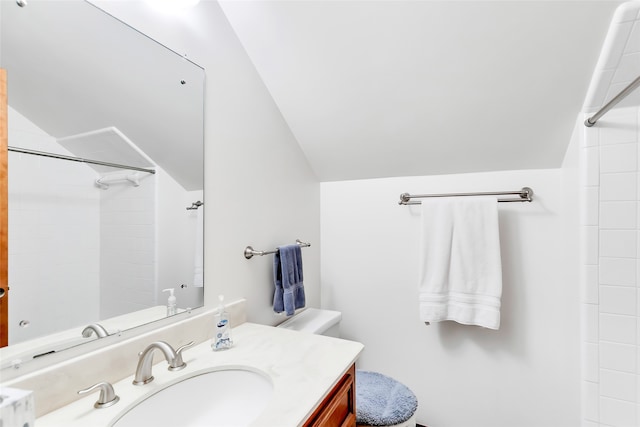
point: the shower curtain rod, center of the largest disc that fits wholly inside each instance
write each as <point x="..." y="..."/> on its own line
<point x="609" y="105"/>
<point x="526" y="195"/>
<point x="78" y="159"/>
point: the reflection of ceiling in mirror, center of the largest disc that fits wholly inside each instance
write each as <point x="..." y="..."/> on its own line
<point x="109" y="145"/>
<point x="69" y="78"/>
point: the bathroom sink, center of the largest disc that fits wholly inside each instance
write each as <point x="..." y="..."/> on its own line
<point x="225" y="398"/>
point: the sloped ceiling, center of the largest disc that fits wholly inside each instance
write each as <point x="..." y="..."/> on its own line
<point x="400" y="88"/>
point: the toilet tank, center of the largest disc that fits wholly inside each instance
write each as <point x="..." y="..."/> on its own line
<point x="315" y="321"/>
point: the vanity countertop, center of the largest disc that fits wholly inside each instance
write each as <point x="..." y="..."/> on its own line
<point x="303" y="368"/>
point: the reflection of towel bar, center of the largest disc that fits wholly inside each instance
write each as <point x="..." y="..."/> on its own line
<point x="104" y="181"/>
<point x="195" y="205"/>
<point x="526" y="195"/>
<point x="249" y="252"/>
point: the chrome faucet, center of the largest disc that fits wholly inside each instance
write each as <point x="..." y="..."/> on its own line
<point x="173" y="357"/>
<point x="97" y="328"/>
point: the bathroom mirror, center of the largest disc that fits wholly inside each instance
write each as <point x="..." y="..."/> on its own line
<point x="89" y="242"/>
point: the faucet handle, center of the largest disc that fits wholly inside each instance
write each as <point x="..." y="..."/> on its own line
<point x="178" y="363"/>
<point x="107" y="395"/>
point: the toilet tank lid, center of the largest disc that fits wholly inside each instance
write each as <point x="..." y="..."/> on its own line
<point x="312" y="320"/>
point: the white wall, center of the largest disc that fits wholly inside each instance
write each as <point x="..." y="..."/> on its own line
<point x="610" y="260"/>
<point x="54" y="222"/>
<point x="259" y="188"/>
<point x="526" y="373"/>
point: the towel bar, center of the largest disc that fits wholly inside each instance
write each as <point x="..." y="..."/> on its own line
<point x="249" y="252"/>
<point x="195" y="205"/>
<point x="526" y="195"/>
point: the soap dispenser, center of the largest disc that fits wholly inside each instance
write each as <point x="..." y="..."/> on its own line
<point x="222" y="333"/>
<point x="171" y="302"/>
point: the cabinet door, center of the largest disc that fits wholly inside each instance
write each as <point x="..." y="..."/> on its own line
<point x="338" y="409"/>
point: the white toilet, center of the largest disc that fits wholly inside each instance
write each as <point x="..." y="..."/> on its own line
<point x="326" y="322"/>
<point x="315" y="321"/>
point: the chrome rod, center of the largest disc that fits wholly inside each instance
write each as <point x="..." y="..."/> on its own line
<point x="249" y="252"/>
<point x="609" y="105"/>
<point x="78" y="159"/>
<point x="526" y="195"/>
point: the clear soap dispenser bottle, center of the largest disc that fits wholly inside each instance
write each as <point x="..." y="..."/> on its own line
<point x="171" y="302"/>
<point x="222" y="334"/>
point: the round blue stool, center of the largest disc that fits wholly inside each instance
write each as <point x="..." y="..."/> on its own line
<point x="383" y="401"/>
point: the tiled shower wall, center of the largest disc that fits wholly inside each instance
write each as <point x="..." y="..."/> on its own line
<point x="610" y="220"/>
<point x="54" y="215"/>
<point x="128" y="247"/>
<point x="611" y="268"/>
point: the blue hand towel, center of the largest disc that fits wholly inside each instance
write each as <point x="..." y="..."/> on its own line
<point x="288" y="279"/>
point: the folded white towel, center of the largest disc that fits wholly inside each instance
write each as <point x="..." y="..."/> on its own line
<point x="461" y="270"/>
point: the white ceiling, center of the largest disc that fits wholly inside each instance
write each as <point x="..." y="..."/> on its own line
<point x="401" y="88"/>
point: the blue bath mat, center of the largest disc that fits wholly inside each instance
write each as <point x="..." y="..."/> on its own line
<point x="381" y="400"/>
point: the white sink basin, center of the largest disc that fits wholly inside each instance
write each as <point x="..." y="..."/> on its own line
<point x="229" y="398"/>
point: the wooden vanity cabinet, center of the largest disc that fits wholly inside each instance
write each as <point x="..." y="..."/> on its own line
<point x="338" y="409"/>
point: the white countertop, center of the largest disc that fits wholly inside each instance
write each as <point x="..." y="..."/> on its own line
<point x="302" y="367"/>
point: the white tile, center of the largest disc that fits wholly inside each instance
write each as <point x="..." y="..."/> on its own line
<point x="617" y="243"/>
<point x="617" y="413"/>
<point x="595" y="99"/>
<point x="620" y="357"/>
<point x="633" y="44"/>
<point x="618" y="215"/>
<point x="589" y="284"/>
<point x="638" y="342"/>
<point x="590" y="171"/>
<point x="590" y="362"/>
<point x="589" y="248"/>
<point x="618" y="300"/>
<point x="618" y="328"/>
<point x="618" y="385"/>
<point x="589" y="212"/>
<point x="627" y="69"/>
<point x="618" y="126"/>
<point x="614" y="45"/>
<point x="590" y="400"/>
<point x="625" y="12"/>
<point x="618" y="186"/>
<point x="590" y="325"/>
<point x="618" y="158"/>
<point x="617" y="271"/>
<point x="591" y="135"/>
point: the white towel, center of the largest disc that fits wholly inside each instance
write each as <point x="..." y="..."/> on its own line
<point x="198" y="262"/>
<point x="461" y="270"/>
